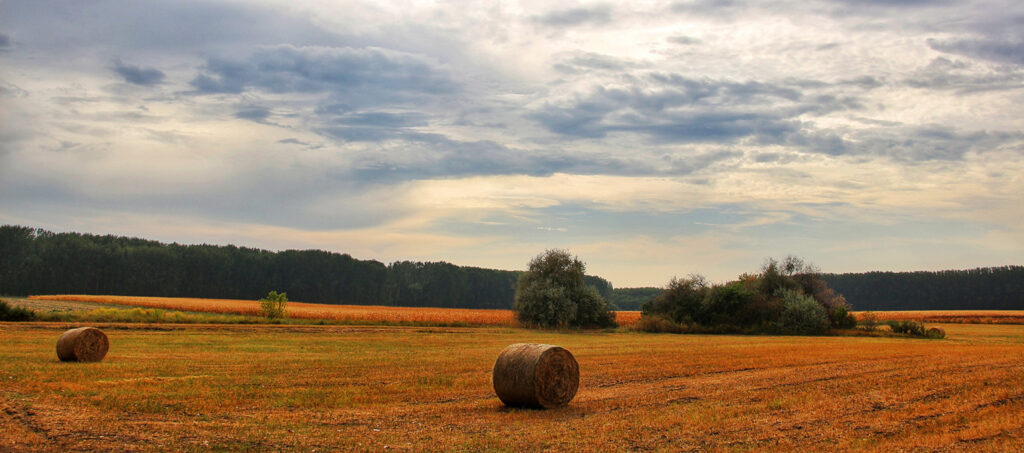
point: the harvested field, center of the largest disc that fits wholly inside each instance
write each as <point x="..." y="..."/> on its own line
<point x="952" y="316"/>
<point x="300" y="310"/>
<point x="419" y="389"/>
<point x="57" y="305"/>
<point x="350" y="313"/>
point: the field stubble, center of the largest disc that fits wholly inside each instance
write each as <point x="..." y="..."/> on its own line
<point x="950" y="316"/>
<point x="371" y="388"/>
<point x="301" y="310"/>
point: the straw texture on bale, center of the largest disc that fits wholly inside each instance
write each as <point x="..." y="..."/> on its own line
<point x="936" y="332"/>
<point x="536" y="375"/>
<point x="84" y="344"/>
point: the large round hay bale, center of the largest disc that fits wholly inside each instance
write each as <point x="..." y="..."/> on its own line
<point x="536" y="375"/>
<point x="936" y="332"/>
<point x="84" y="344"/>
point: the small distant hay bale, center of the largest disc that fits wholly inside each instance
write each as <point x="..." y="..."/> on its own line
<point x="936" y="332"/>
<point x="84" y="344"/>
<point x="536" y="375"/>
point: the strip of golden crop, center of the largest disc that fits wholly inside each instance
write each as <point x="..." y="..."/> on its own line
<point x="344" y="388"/>
<point x="352" y="313"/>
<point x="950" y="316"/>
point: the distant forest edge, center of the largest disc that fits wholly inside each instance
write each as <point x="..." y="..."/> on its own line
<point x="35" y="261"/>
<point x="986" y="288"/>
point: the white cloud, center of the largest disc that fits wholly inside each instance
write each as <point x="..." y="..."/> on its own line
<point x="482" y="133"/>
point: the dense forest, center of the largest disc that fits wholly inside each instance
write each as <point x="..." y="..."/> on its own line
<point x="988" y="288"/>
<point x="34" y="261"/>
<point x="633" y="298"/>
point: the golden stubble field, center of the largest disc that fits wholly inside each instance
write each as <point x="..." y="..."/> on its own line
<point x="331" y="388"/>
<point x="302" y="310"/>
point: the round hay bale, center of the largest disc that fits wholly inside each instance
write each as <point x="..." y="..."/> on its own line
<point x="84" y="344"/>
<point x="536" y="375"/>
<point x="936" y="332"/>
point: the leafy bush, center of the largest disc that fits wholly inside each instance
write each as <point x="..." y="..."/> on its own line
<point x="680" y="301"/>
<point x="273" y="305"/>
<point x="658" y="324"/>
<point x="801" y="314"/>
<point x="868" y="321"/>
<point x="841" y="318"/>
<point x="787" y="296"/>
<point x="552" y="293"/>
<point x="916" y="329"/>
<point x="15" y="313"/>
<point x="913" y="328"/>
<point x="727" y="304"/>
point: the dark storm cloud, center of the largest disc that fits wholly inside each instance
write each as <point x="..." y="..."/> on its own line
<point x="369" y="73"/>
<point x="137" y="75"/>
<point x="5" y="41"/>
<point x="599" y="14"/>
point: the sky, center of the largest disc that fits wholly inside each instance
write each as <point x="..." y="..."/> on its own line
<point x="651" y="139"/>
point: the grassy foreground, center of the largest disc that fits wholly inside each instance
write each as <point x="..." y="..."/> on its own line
<point x="361" y="388"/>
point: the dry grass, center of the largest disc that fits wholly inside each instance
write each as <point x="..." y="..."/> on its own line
<point x="342" y="313"/>
<point x="300" y="310"/>
<point x="333" y="388"/>
<point x="952" y="316"/>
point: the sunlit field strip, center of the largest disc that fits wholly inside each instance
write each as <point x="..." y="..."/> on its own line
<point x="356" y="388"/>
<point x="951" y="316"/>
<point x="301" y="310"/>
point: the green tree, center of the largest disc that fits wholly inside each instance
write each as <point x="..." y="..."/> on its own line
<point x="681" y="301"/>
<point x="801" y="314"/>
<point x="552" y="293"/>
<point x="273" y="305"/>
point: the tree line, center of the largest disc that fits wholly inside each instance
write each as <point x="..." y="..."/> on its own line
<point x="36" y="261"/>
<point x="986" y="288"/>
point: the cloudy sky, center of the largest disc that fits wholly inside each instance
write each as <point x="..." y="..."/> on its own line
<point x="651" y="138"/>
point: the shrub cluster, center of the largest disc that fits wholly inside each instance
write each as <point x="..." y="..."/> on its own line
<point x="785" y="297"/>
<point x="274" y="305"/>
<point x="916" y="329"/>
<point x="868" y="321"/>
<point x="15" y="313"/>
<point x="912" y="328"/>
